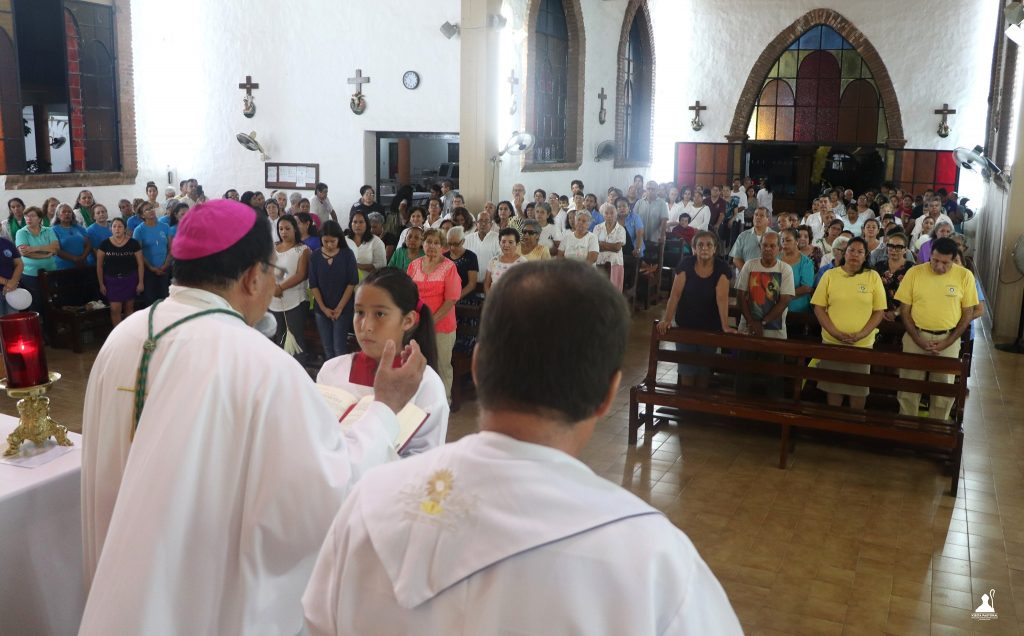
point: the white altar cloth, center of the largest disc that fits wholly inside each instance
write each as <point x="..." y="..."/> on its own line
<point x="41" y="588"/>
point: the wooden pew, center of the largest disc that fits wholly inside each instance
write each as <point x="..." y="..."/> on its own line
<point x="799" y="408"/>
<point x="467" y="316"/>
<point x="66" y="292"/>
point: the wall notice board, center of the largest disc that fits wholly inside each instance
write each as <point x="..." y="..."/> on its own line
<point x="293" y="176"/>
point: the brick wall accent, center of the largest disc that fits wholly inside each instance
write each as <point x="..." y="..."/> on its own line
<point x="620" y="84"/>
<point x="853" y="35"/>
<point x="574" y="91"/>
<point x="126" y="122"/>
<point x="72" y="42"/>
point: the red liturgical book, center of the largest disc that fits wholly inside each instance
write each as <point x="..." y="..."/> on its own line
<point x="348" y="409"/>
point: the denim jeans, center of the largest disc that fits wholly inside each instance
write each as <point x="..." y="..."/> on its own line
<point x="334" y="334"/>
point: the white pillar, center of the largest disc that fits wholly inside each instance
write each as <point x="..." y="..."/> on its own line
<point x="478" y="101"/>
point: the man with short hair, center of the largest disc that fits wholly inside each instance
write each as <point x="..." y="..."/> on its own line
<point x="483" y="241"/>
<point x="447" y="196"/>
<point x="204" y="502"/>
<point x="505" y="531"/>
<point x="518" y="198"/>
<point x="765" y="287"/>
<point x="934" y="211"/>
<point x="654" y="214"/>
<point x="748" y="243"/>
<point x="321" y="206"/>
<point x="937" y="302"/>
<point x="716" y="204"/>
<point x="737" y="209"/>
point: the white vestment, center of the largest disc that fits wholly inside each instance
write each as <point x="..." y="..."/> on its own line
<point x="234" y="475"/>
<point x="490" y="535"/>
<point x="430" y="397"/>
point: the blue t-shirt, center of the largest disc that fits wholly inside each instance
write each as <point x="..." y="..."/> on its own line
<point x="45" y="237"/>
<point x="8" y="252"/>
<point x="97" y="234"/>
<point x="803" y="274"/>
<point x="154" y="241"/>
<point x="133" y="222"/>
<point x="72" y="240"/>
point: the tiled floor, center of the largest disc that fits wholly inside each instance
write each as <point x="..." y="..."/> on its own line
<point x="851" y="539"/>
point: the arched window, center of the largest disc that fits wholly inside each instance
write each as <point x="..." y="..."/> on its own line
<point x="555" y="68"/>
<point x="819" y="90"/>
<point x="635" y="88"/>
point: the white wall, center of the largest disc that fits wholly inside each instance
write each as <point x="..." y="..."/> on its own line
<point x="190" y="55"/>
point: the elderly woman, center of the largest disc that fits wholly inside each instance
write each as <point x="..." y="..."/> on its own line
<point x="530" y="246"/>
<point x="465" y="260"/>
<point x="849" y="303"/>
<point x="389" y="239"/>
<point x="411" y="249"/>
<point x="699" y="300"/>
<point x="273" y="211"/>
<point x="155" y="239"/>
<point x="439" y="285"/>
<point x="12" y="266"/>
<point x="509" y="257"/>
<point x="580" y="244"/>
<point x="75" y="248"/>
<point x="807" y="247"/>
<point x="100" y="230"/>
<point x="838" y="250"/>
<point x="611" y="237"/>
<point x="119" y="268"/>
<point x="38" y="246"/>
<point x="942" y="229"/>
<point x="370" y="252"/>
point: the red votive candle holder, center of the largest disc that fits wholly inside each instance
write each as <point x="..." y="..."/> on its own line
<point x="22" y="341"/>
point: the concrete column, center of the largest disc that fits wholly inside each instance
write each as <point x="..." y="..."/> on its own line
<point x="1007" y="299"/>
<point x="478" y="119"/>
<point x="404" y="161"/>
<point x="41" y="125"/>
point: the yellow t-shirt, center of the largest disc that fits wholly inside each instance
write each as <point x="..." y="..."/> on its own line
<point x="539" y="253"/>
<point x="937" y="301"/>
<point x="849" y="302"/>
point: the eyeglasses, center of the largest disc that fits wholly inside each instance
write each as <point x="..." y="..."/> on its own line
<point x="897" y="247"/>
<point x="530" y="233"/>
<point x="280" y="273"/>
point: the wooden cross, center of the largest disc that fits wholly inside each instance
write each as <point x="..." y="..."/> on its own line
<point x="512" y="82"/>
<point x="602" y="114"/>
<point x="248" y="86"/>
<point x="359" y="80"/>
<point x="945" y="111"/>
<point x="696" y="123"/>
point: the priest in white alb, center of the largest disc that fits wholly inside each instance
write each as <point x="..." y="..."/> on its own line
<point x="505" y="531"/>
<point x="211" y="465"/>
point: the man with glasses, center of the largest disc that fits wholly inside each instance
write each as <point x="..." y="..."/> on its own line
<point x="225" y="462"/>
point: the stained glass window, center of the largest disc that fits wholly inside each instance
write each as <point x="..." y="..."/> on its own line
<point x="819" y="90"/>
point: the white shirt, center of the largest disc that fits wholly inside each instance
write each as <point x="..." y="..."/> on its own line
<point x="741" y="199"/>
<point x="617" y="235"/>
<point x="436" y="544"/>
<point x="235" y="472"/>
<point x="764" y="199"/>
<point x="371" y="252"/>
<point x="485" y="248"/>
<point x="817" y="227"/>
<point x="578" y="248"/>
<point x="700" y="218"/>
<point x="430" y="397"/>
<point x="322" y="209"/>
<point x="549" y="235"/>
<point x="918" y="224"/>
<point x="433" y="225"/>
<point x="293" y="296"/>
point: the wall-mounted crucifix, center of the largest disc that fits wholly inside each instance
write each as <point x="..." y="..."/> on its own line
<point x="602" y="115"/>
<point x="696" y="123"/>
<point x="249" y="101"/>
<point x="945" y="111"/>
<point x="513" y="81"/>
<point x="358" y="102"/>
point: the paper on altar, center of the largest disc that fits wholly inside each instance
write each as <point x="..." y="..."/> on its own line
<point x="32" y="456"/>
<point x="348" y="409"/>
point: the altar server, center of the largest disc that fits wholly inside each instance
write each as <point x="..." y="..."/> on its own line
<point x="211" y="465"/>
<point x="505" y="531"/>
<point x="387" y="308"/>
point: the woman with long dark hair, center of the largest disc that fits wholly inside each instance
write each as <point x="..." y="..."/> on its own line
<point x="289" y="304"/>
<point x="371" y="254"/>
<point x="333" y="277"/>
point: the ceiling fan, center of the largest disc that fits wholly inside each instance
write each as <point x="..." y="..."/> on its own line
<point x="517" y="144"/>
<point x="249" y="143"/>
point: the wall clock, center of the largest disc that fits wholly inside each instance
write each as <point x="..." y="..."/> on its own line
<point x="411" y="80"/>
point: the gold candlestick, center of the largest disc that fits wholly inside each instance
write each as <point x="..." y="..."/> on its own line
<point x="35" y="424"/>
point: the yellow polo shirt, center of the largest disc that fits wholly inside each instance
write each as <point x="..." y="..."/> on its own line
<point x="539" y="253"/>
<point x="937" y="300"/>
<point x="849" y="302"/>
